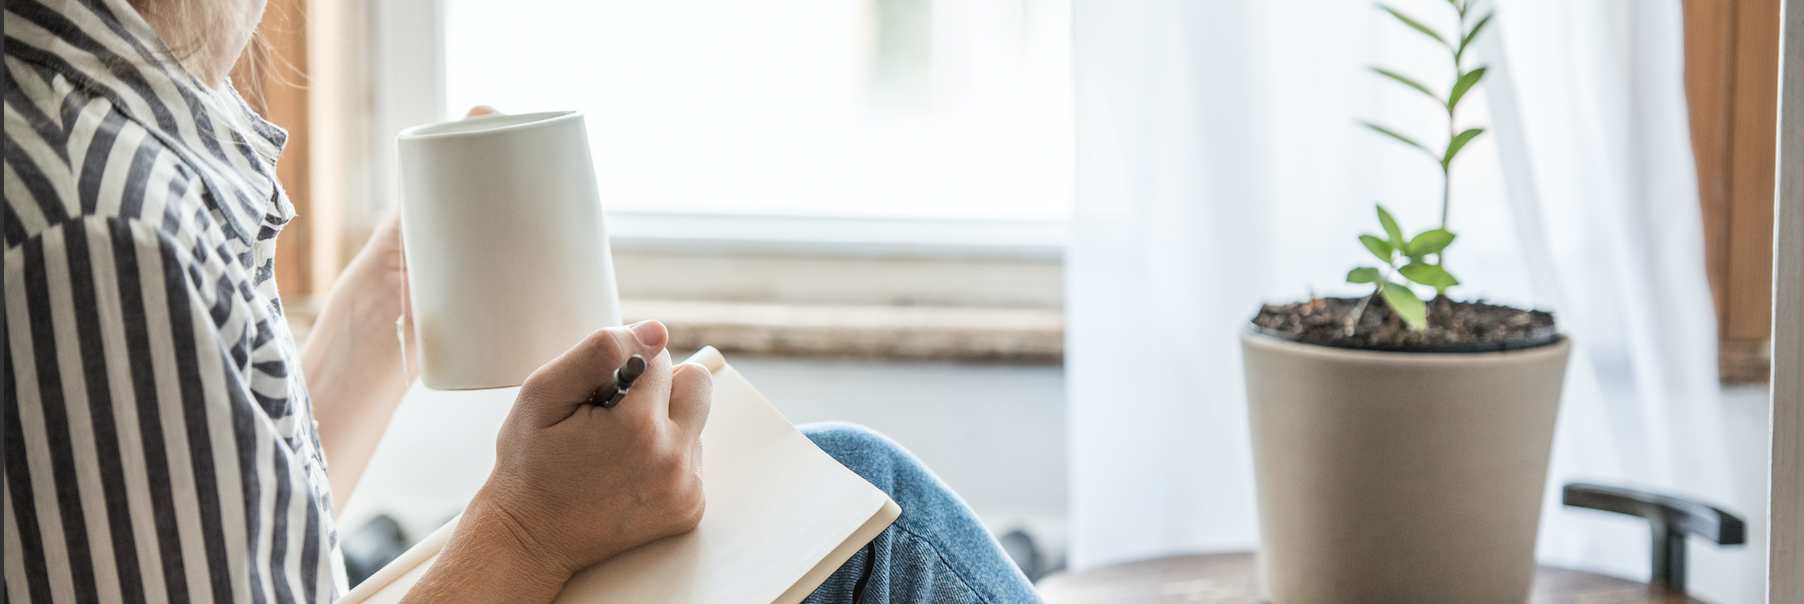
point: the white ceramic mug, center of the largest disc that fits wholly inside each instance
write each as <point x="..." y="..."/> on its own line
<point x="507" y="255"/>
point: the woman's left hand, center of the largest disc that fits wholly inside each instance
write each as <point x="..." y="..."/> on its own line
<point x="353" y="359"/>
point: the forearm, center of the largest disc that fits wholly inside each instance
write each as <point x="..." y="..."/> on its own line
<point x="355" y="392"/>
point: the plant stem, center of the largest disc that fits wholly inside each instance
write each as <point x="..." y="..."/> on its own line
<point x="1452" y="131"/>
<point x="1358" y="315"/>
<point x="1447" y="178"/>
<point x="1446" y="192"/>
<point x="1361" y="312"/>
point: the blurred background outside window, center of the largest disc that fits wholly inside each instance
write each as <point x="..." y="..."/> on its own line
<point x="945" y="109"/>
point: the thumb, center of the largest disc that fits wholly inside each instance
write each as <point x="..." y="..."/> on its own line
<point x="560" y="386"/>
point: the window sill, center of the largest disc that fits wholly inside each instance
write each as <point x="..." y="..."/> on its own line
<point x="836" y="237"/>
<point x="904" y="289"/>
<point x="925" y="333"/>
<point x="1018" y="335"/>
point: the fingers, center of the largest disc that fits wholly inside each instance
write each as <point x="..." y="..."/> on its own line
<point x="481" y="110"/>
<point x="652" y="392"/>
<point x="650" y="396"/>
<point x="651" y="334"/>
<point x="384" y="242"/>
<point x="691" y="397"/>
<point x="566" y="382"/>
<point x="390" y="222"/>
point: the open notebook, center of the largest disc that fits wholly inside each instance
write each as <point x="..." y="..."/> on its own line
<point x="782" y="516"/>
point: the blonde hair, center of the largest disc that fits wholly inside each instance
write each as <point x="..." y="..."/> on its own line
<point x="194" y="25"/>
<point x="198" y="22"/>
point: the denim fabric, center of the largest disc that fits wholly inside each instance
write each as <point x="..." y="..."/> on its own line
<point x="936" y="552"/>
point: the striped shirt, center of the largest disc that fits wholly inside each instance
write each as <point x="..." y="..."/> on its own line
<point x="159" y="442"/>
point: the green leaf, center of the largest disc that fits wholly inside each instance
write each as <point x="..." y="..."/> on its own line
<point x="1404" y="139"/>
<point x="1390" y="228"/>
<point x="1379" y="248"/>
<point x="1397" y="136"/>
<point x="1476" y="27"/>
<point x="1431" y="275"/>
<point x="1409" y="82"/>
<point x="1465" y="83"/>
<point x="1417" y="25"/>
<point x="1364" y="274"/>
<point x="1459" y="141"/>
<point x="1408" y="307"/>
<point x="1428" y="242"/>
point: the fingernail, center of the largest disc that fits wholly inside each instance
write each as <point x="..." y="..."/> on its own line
<point x="650" y="334"/>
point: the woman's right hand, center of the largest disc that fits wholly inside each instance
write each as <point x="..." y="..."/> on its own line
<point x="574" y="483"/>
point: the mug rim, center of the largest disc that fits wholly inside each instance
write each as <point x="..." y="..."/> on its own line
<point x="485" y="124"/>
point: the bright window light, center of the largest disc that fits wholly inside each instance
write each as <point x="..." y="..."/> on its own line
<point x="950" y="109"/>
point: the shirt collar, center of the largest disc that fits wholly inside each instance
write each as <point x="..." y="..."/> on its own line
<point x="106" y="45"/>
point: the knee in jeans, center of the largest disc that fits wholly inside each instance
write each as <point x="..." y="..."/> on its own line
<point x="854" y="445"/>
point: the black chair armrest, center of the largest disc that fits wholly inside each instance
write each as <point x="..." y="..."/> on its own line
<point x="1671" y="519"/>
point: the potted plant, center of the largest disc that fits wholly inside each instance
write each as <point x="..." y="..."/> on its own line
<point x="1400" y="446"/>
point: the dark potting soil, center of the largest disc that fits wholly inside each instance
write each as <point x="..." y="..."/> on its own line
<point x="1452" y="326"/>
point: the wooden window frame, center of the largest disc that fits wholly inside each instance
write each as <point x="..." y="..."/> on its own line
<point x="1732" y="86"/>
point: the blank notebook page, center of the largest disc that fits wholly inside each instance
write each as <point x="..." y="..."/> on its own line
<point x="778" y="507"/>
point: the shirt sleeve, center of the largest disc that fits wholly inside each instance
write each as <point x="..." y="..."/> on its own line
<point x="140" y="459"/>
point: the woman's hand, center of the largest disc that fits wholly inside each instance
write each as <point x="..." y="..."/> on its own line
<point x="575" y="484"/>
<point x="353" y="362"/>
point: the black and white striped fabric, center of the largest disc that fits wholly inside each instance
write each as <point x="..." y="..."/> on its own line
<point x="160" y="446"/>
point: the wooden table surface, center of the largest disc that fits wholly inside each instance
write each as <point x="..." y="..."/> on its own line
<point x="1228" y="579"/>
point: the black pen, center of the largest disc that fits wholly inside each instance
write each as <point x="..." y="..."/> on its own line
<point x="609" y="394"/>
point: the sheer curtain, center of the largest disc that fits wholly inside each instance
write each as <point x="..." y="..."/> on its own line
<point x="1220" y="166"/>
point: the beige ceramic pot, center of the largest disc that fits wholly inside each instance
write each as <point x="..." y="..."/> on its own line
<point x="1399" y="477"/>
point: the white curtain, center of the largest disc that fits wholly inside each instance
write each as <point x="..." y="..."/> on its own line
<point x="1220" y="165"/>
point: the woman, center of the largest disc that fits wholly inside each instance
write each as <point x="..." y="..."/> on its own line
<point x="166" y="442"/>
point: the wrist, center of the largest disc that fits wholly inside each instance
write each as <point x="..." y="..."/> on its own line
<point x="492" y="554"/>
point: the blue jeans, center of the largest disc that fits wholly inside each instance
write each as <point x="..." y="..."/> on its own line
<point x="936" y="552"/>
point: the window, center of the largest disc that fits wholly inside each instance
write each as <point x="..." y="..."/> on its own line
<point x="937" y="109"/>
